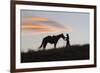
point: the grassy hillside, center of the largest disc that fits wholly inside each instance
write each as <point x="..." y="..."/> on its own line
<point x="59" y="54"/>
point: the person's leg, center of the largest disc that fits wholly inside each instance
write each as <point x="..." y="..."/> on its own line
<point x="68" y="44"/>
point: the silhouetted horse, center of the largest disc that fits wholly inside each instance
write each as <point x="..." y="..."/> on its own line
<point x="51" y="40"/>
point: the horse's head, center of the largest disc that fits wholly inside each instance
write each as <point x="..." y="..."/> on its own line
<point x="62" y="36"/>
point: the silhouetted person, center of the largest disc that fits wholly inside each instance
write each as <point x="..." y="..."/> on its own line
<point x="67" y="40"/>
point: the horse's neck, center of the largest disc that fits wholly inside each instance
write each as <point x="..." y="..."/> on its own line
<point x="58" y="37"/>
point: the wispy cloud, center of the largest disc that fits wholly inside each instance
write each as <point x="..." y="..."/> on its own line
<point x="38" y="27"/>
<point x="34" y="18"/>
<point x="43" y="24"/>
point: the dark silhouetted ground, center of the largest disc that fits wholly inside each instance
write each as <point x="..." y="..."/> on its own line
<point x="59" y="54"/>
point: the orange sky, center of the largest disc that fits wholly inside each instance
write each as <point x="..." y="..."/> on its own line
<point x="40" y="27"/>
<point x="35" y="18"/>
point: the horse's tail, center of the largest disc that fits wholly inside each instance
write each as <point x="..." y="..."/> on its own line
<point x="41" y="45"/>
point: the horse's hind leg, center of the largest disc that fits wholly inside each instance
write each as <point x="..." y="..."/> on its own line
<point x="55" y="45"/>
<point x="44" y="46"/>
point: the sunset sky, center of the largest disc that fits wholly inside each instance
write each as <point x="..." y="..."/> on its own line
<point x="36" y="24"/>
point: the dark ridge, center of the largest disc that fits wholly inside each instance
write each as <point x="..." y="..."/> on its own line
<point x="75" y="52"/>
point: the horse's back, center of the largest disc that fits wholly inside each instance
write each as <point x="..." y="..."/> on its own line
<point x="48" y="39"/>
